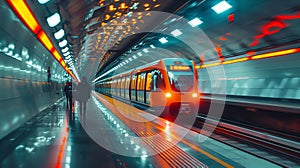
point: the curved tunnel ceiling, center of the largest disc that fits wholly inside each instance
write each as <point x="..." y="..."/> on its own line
<point x="249" y="26"/>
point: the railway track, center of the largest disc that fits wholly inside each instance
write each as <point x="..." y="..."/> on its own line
<point x="271" y="147"/>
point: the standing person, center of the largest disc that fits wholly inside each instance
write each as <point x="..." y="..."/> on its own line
<point x="68" y="93"/>
<point x="84" y="93"/>
<point x="49" y="74"/>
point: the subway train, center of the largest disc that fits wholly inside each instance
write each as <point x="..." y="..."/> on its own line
<point x="165" y="87"/>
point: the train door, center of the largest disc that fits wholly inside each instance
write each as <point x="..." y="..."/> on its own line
<point x="133" y="87"/>
<point x="157" y="87"/>
<point x="123" y="87"/>
<point x="141" y="87"/>
<point x="127" y="85"/>
<point x="148" y="87"/>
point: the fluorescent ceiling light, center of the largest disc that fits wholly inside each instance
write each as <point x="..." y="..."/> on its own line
<point x="63" y="43"/>
<point x="58" y="35"/>
<point x="221" y="7"/>
<point x="152" y="46"/>
<point x="65" y="49"/>
<point x="195" y="22"/>
<point x="53" y="20"/>
<point x="176" y="33"/>
<point x="66" y="54"/>
<point x="163" y="40"/>
<point x="145" y="50"/>
<point x="43" y="1"/>
<point x="69" y="57"/>
<point x="139" y="54"/>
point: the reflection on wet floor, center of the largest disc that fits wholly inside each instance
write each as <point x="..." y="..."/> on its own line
<point x="58" y="138"/>
<point x="55" y="138"/>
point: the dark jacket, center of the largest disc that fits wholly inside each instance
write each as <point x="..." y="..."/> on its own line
<point x="68" y="90"/>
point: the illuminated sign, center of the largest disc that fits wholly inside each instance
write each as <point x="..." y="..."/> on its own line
<point x="179" y="68"/>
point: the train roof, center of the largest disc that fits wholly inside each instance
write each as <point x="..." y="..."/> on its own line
<point x="167" y="61"/>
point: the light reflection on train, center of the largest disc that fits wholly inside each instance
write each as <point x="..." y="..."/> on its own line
<point x="165" y="87"/>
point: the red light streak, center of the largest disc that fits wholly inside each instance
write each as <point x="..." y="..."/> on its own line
<point x="231" y="18"/>
<point x="274" y="27"/>
<point x="24" y="13"/>
<point x="63" y="146"/>
<point x="251" y="56"/>
<point x="223" y="38"/>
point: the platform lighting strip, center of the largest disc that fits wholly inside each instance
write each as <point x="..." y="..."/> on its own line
<point x="24" y="13"/>
<point x="254" y="57"/>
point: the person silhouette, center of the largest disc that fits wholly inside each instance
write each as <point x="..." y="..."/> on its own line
<point x="68" y="93"/>
<point x="83" y="94"/>
<point x="49" y="74"/>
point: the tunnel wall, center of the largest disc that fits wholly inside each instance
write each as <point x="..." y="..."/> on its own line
<point x="276" y="77"/>
<point x="24" y="86"/>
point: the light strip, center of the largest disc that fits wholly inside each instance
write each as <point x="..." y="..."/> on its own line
<point x="45" y="40"/>
<point x="57" y="55"/>
<point x="62" y="63"/>
<point x="21" y="8"/>
<point x="276" y="53"/>
<point x="209" y="65"/>
<point x="24" y="13"/>
<point x="255" y="57"/>
<point x="235" y="60"/>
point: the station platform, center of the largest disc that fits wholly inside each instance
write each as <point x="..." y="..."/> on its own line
<point x="103" y="138"/>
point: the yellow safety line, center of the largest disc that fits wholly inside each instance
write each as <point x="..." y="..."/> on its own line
<point x="187" y="143"/>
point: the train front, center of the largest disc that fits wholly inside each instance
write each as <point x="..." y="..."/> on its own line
<point x="182" y="90"/>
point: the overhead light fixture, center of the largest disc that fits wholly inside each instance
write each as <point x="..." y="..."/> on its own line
<point x="59" y="34"/>
<point x="176" y="33"/>
<point x="68" y="57"/>
<point x="43" y="1"/>
<point x="63" y="43"/>
<point x="24" y="13"/>
<point x="152" y="46"/>
<point x="145" y="50"/>
<point x="66" y="54"/>
<point x="163" y="40"/>
<point x="65" y="49"/>
<point x="53" y="20"/>
<point x="135" y="5"/>
<point x="56" y="55"/>
<point x="44" y="39"/>
<point x="221" y="7"/>
<point x="195" y="22"/>
<point x="139" y="54"/>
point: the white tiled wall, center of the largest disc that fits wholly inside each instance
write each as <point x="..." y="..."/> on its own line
<point x="277" y="77"/>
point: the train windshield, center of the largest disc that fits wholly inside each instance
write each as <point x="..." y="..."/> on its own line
<point x="181" y="81"/>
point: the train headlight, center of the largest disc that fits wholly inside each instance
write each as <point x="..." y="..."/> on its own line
<point x="194" y="95"/>
<point x="168" y="95"/>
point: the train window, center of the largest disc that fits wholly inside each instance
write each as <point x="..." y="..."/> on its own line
<point x="119" y="86"/>
<point x="142" y="81"/>
<point x="127" y="87"/>
<point x="143" y="78"/>
<point x="138" y="82"/>
<point x="149" y="80"/>
<point x="157" y="81"/>
<point x="123" y="86"/>
<point x="127" y="82"/>
<point x="181" y="82"/>
<point x="133" y="82"/>
<point x="160" y="83"/>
